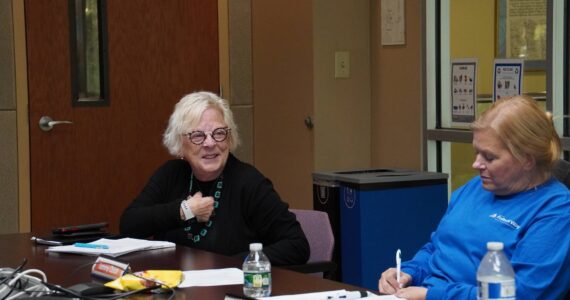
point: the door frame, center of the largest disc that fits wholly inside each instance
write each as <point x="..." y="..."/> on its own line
<point x="22" y="102"/>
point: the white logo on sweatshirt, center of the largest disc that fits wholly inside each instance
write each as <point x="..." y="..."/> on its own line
<point x="505" y="221"/>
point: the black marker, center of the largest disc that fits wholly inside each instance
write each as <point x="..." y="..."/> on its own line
<point x="239" y="296"/>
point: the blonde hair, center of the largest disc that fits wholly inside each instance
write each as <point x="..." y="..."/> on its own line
<point x="187" y="114"/>
<point x="526" y="130"/>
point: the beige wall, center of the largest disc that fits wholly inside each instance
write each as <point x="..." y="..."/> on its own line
<point x="396" y="81"/>
<point x="239" y="92"/>
<point x="341" y="106"/>
<point x="8" y="124"/>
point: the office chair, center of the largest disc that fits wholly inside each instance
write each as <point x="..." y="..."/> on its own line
<point x="318" y="230"/>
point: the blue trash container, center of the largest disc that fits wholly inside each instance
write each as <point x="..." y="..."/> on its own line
<point x="326" y="197"/>
<point x="384" y="210"/>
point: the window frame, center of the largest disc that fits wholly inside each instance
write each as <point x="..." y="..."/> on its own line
<point x="436" y="72"/>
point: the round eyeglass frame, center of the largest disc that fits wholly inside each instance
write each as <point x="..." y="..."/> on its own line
<point x="204" y="135"/>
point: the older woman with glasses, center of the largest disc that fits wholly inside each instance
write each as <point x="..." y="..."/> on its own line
<point x="207" y="198"/>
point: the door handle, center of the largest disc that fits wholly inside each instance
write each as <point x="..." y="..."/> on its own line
<point x="309" y="122"/>
<point x="46" y="123"/>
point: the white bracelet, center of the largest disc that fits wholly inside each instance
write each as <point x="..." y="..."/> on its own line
<point x="186" y="210"/>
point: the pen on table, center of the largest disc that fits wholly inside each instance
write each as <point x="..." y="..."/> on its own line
<point x="348" y="295"/>
<point x="398" y="266"/>
<point x="92" y="246"/>
<point x="46" y="242"/>
<point x="235" y="296"/>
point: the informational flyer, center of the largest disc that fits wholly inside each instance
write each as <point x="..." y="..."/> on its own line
<point x="463" y="91"/>
<point x="393" y="22"/>
<point x="507" y="79"/>
<point x="526" y="29"/>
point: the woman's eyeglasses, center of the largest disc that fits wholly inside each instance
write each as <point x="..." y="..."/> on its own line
<point x="198" y="137"/>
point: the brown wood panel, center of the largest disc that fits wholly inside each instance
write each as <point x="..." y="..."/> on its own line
<point x="90" y="170"/>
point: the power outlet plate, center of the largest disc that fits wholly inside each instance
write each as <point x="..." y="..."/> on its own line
<point x="342" y="64"/>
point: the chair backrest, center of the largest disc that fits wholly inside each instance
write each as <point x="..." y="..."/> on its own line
<point x="318" y="230"/>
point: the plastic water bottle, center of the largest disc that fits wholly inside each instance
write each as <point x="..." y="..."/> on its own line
<point x="256" y="273"/>
<point x="495" y="275"/>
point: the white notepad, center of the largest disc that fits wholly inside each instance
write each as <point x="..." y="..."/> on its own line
<point x="115" y="247"/>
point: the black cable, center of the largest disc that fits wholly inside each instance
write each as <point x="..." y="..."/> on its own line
<point x="173" y="294"/>
<point x="67" y="292"/>
<point x="20" y="286"/>
<point x="77" y="269"/>
<point x="18" y="269"/>
<point x="8" y="293"/>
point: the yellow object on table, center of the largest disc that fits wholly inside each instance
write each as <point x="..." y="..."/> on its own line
<point x="167" y="279"/>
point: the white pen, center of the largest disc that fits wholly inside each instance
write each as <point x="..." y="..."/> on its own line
<point x="46" y="242"/>
<point x="398" y="266"/>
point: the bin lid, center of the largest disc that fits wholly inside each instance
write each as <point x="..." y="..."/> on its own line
<point x="390" y="176"/>
<point x="333" y="175"/>
<point x="324" y="176"/>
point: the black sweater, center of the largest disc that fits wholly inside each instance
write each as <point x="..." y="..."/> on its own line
<point x="250" y="210"/>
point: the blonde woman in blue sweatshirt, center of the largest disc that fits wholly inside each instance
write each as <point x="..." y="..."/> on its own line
<point x="515" y="200"/>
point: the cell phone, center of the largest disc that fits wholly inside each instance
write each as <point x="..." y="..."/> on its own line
<point x="79" y="228"/>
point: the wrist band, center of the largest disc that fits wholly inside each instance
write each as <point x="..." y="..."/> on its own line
<point x="186" y="210"/>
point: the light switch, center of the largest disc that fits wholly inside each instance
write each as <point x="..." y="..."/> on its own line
<point x="341" y="64"/>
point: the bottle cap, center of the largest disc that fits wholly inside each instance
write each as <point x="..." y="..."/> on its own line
<point x="495" y="246"/>
<point x="255" y="246"/>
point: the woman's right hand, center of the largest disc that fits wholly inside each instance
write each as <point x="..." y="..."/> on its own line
<point x="388" y="283"/>
<point x="202" y="207"/>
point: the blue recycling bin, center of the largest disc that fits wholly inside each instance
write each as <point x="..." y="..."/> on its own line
<point x="383" y="210"/>
<point x="326" y="197"/>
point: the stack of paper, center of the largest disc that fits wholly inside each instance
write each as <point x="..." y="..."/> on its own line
<point x="112" y="247"/>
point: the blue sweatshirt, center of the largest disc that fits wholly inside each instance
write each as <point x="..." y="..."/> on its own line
<point x="533" y="225"/>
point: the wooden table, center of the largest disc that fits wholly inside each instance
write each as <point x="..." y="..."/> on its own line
<point x="69" y="269"/>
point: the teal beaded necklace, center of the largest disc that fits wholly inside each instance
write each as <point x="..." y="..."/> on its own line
<point x="196" y="231"/>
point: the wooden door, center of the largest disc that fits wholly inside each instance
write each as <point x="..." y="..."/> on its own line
<point x="283" y="96"/>
<point x="90" y="170"/>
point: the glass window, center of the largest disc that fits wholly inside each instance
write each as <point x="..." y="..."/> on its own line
<point x="88" y="55"/>
<point x="465" y="29"/>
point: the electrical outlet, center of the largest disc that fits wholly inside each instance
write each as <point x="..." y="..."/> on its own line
<point x="342" y="64"/>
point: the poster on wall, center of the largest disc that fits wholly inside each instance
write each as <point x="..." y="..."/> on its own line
<point x="463" y="91"/>
<point x="525" y="29"/>
<point x="507" y="78"/>
<point x="393" y="23"/>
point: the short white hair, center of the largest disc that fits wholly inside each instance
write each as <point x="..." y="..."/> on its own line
<point x="187" y="113"/>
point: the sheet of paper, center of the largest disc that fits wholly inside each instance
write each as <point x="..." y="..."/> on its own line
<point x="336" y="294"/>
<point x="115" y="247"/>
<point x="212" y="277"/>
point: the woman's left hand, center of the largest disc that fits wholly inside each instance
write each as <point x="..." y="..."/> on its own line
<point x="412" y="293"/>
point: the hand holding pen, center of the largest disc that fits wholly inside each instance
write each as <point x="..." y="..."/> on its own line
<point x="399" y="268"/>
<point x="393" y="279"/>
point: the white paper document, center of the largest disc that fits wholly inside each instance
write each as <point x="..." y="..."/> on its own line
<point x="332" y="295"/>
<point x="113" y="247"/>
<point x="212" y="277"/>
